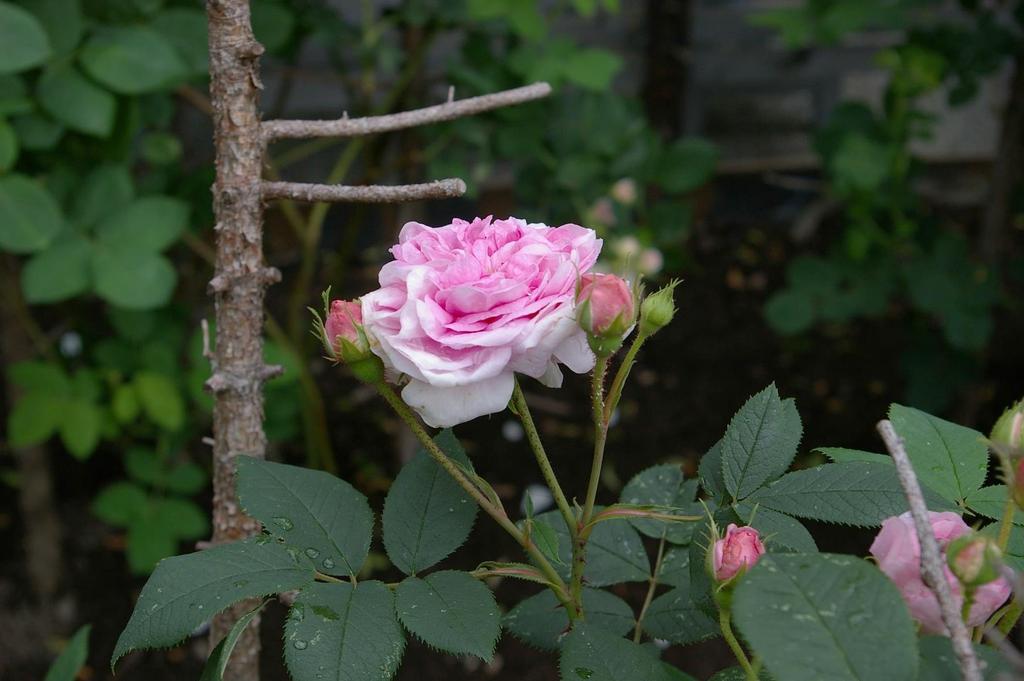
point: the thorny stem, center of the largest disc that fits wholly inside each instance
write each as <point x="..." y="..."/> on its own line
<point x="557" y="585"/>
<point x="621" y="375"/>
<point x="724" y="621"/>
<point x="523" y="409"/>
<point x="652" y="585"/>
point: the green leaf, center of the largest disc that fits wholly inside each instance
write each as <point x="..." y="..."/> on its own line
<point x="938" y="662"/>
<point x="133" y="279"/>
<point x="675" y="567"/>
<point x="790" y="311"/>
<point x="108" y="187"/>
<point x="736" y="674"/>
<point x="60" y="272"/>
<point x="124" y="403"/>
<point x="662" y="486"/>
<point x="676" y="616"/>
<point x="29" y="217"/>
<point x="317" y="513"/>
<point x="760" y="442"/>
<point x="76" y="101"/>
<point x="181" y="518"/>
<point x="541" y="620"/>
<point x="590" y="653"/>
<point x="160" y="399"/>
<point x="161" y="148"/>
<point x="343" y="633"/>
<point x="452" y="611"/>
<point x="272" y="23"/>
<point x="776" y="528"/>
<point x="185" y="591"/>
<point x="37" y="132"/>
<point x="24" y="39"/>
<point x="8" y="146"/>
<point x="990" y="502"/>
<point x="80" y="423"/>
<point x="221" y="655"/>
<point x="185" y="28"/>
<point x="62" y="20"/>
<point x="709" y="472"/>
<point x="33" y="419"/>
<point x="147" y="543"/>
<point x="148" y="224"/>
<point x="132" y="60"/>
<point x="824" y="616"/>
<point x="426" y="514"/>
<point x="187" y="478"/>
<point x="843" y="455"/>
<point x="592" y="68"/>
<point x="856" y="493"/>
<point x="546" y="539"/>
<point x="72" y="658"/>
<point x="44" y="377"/>
<point x="949" y="458"/>
<point x="120" y="504"/>
<point x="615" y="552"/>
<point x="686" y="165"/>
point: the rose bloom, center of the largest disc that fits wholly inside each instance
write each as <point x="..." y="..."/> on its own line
<point x="739" y="549"/>
<point x="899" y="556"/>
<point x="464" y="307"/>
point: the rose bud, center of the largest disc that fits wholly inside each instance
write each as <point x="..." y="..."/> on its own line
<point x="1017" y="489"/>
<point x="898" y="554"/>
<point x="1006" y="440"/>
<point x="736" y="552"/>
<point x="624" y="191"/>
<point x="658" y="309"/>
<point x="975" y="559"/>
<point x="346" y="341"/>
<point x="606" y="311"/>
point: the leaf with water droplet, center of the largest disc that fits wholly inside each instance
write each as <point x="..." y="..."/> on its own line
<point x="221" y="654"/>
<point x="450" y="610"/>
<point x="606" y="657"/>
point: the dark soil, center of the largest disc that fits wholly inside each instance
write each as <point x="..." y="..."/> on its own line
<point x="689" y="381"/>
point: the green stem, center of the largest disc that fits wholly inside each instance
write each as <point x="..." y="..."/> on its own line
<point x="495" y="511"/>
<point x="621" y="375"/>
<point x="734" y="644"/>
<point x="1006" y="524"/>
<point x="523" y="409"/>
<point x="651" y="586"/>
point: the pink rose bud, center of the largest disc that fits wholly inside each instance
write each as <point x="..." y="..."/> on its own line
<point x="341" y="324"/>
<point x="975" y="559"/>
<point x="899" y="556"/>
<point x="607" y="311"/>
<point x="736" y="552"/>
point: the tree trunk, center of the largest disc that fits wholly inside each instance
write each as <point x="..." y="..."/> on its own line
<point x="1006" y="171"/>
<point x="238" y="286"/>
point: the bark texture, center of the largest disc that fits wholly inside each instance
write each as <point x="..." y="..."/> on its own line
<point x="239" y="284"/>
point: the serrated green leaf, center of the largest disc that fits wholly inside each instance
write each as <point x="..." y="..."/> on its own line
<point x="777" y="529"/>
<point x="615" y="552"/>
<point x="185" y="591"/>
<point x="737" y="674"/>
<point x="843" y="455"/>
<point x="76" y="101"/>
<point x="709" y="472"/>
<point x="33" y="419"/>
<point x="950" y="459"/>
<point x="315" y="512"/>
<point x="29" y="216"/>
<point x="343" y="633"/>
<point x="60" y="272"/>
<point x="760" y="442"/>
<point x="675" y="567"/>
<point x="825" y="616"/>
<point x="120" y="503"/>
<point x="856" y="493"/>
<point x="80" y="423"/>
<point x="662" y="485"/>
<point x="160" y="399"/>
<point x="450" y="610"/>
<point x="540" y="620"/>
<point x="132" y="60"/>
<point x="426" y="514"/>
<point x="147" y="224"/>
<point x="24" y="39"/>
<point x="546" y="540"/>
<point x="221" y="654"/>
<point x="938" y="662"/>
<point x="72" y="658"/>
<point x="990" y="502"/>
<point x="675" y="616"/>
<point x="590" y="653"/>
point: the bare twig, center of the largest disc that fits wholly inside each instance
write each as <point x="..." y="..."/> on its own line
<point x="931" y="560"/>
<point x="353" y="127"/>
<point x="299" y="191"/>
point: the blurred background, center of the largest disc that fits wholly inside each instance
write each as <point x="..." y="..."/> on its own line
<point x="838" y="182"/>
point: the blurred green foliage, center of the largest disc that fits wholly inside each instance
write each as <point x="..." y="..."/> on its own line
<point x="893" y="247"/>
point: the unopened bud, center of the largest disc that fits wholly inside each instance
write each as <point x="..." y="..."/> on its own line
<point x="736" y="552"/>
<point x="624" y="191"/>
<point x="975" y="559"/>
<point x="606" y="310"/>
<point x="658" y="309"/>
<point x="345" y="341"/>
<point x="1008" y="429"/>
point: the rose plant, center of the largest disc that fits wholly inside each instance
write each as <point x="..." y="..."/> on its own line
<point x="466" y="311"/>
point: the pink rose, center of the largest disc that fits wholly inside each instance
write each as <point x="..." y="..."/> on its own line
<point x="341" y="322"/>
<point x="465" y="306"/>
<point x="738" y="550"/>
<point x="899" y="556"/>
<point x="610" y="299"/>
